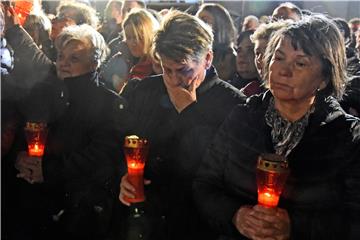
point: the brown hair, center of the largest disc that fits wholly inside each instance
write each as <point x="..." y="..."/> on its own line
<point x="182" y="37"/>
<point x="317" y="36"/>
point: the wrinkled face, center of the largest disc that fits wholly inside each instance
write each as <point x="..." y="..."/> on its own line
<point x="136" y="46"/>
<point x="284" y="13"/>
<point x="186" y="72"/>
<point x="74" y="60"/>
<point x="207" y="17"/>
<point x="245" y="65"/>
<point x="293" y="75"/>
<point x="259" y="50"/>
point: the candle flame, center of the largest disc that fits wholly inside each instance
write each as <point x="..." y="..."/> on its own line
<point x="268" y="194"/>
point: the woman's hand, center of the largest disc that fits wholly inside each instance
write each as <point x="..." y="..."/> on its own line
<point x="260" y="222"/>
<point x="127" y="190"/>
<point x="30" y="168"/>
<point x="10" y="16"/>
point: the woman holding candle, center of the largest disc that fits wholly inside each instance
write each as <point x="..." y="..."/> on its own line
<point x="80" y="163"/>
<point x="300" y="119"/>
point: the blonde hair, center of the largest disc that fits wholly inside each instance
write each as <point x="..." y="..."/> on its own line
<point x="143" y="24"/>
<point x="264" y="31"/>
<point x="182" y="37"/>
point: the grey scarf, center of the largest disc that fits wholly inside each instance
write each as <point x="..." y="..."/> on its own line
<point x="285" y="135"/>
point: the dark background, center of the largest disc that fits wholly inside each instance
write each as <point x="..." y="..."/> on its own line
<point x="343" y="9"/>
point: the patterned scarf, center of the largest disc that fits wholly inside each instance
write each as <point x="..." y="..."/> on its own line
<point x="285" y="135"/>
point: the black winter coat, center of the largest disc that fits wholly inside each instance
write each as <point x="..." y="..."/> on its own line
<point x="177" y="143"/>
<point x="322" y="193"/>
<point x="83" y="150"/>
<point x="81" y="165"/>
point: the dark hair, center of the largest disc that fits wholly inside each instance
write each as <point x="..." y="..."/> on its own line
<point x="317" y="36"/>
<point x="343" y="26"/>
<point x="292" y="7"/>
<point x="224" y="29"/>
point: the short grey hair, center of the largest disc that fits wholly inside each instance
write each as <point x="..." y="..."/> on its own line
<point x="317" y="36"/>
<point x="182" y="37"/>
<point x="86" y="34"/>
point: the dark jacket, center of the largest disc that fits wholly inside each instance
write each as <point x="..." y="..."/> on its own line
<point x="81" y="164"/>
<point x="177" y="143"/>
<point x="83" y="150"/>
<point x="322" y="193"/>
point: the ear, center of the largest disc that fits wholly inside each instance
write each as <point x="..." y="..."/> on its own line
<point x="322" y="85"/>
<point x="208" y="59"/>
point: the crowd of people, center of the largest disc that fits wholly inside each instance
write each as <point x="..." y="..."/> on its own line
<point x="210" y="98"/>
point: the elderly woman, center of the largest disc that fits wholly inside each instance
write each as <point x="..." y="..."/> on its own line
<point x="224" y="37"/>
<point x="73" y="180"/>
<point x="178" y="112"/>
<point x="298" y="118"/>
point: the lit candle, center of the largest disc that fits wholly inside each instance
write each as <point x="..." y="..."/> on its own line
<point x="22" y="9"/>
<point x="36" y="137"/>
<point x="271" y="174"/>
<point x="136" y="151"/>
<point x="36" y="150"/>
<point x="268" y="198"/>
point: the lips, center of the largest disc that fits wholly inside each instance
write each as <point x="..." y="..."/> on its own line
<point x="280" y="86"/>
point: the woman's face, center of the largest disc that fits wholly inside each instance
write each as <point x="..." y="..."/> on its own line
<point x="136" y="46"/>
<point x="74" y="60"/>
<point x="293" y="75"/>
<point x="259" y="50"/>
<point x="245" y="65"/>
<point x="185" y="73"/>
<point x="207" y="17"/>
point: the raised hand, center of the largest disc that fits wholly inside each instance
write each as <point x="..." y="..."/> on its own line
<point x="180" y="96"/>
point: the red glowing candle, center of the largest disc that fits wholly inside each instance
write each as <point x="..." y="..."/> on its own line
<point x="271" y="174"/>
<point x="36" y="134"/>
<point x="23" y="9"/>
<point x="136" y="151"/>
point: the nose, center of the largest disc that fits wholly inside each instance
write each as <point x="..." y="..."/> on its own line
<point x="286" y="70"/>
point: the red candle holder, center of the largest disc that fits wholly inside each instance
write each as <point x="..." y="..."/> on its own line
<point x="136" y="152"/>
<point x="271" y="174"/>
<point x="23" y="9"/>
<point x="36" y="134"/>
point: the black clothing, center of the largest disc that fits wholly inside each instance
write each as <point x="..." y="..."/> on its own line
<point x="81" y="164"/>
<point x="321" y="194"/>
<point x="83" y="149"/>
<point x="351" y="98"/>
<point x="177" y="143"/>
<point x="239" y="82"/>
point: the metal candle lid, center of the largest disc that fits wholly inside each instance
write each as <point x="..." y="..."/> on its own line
<point x="33" y="126"/>
<point x="272" y="163"/>
<point x="134" y="141"/>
